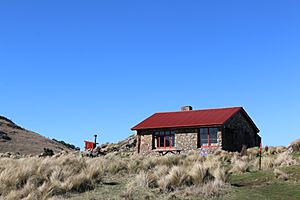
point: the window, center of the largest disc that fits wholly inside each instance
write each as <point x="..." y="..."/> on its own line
<point x="213" y="135"/>
<point x="204" y="136"/>
<point x="208" y="137"/>
<point x="165" y="139"/>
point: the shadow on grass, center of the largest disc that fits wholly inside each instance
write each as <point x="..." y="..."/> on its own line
<point x="111" y="183"/>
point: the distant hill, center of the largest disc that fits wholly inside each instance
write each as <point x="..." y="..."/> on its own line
<point x="14" y="138"/>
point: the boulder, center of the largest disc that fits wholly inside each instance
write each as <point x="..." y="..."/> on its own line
<point x="295" y="146"/>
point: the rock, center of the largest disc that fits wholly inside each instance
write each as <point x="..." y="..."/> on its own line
<point x="281" y="149"/>
<point x="47" y="152"/>
<point x="7" y="155"/>
<point x="295" y="146"/>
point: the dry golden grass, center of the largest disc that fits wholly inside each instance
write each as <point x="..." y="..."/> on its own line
<point x="240" y="166"/>
<point x="284" y="159"/>
<point x="199" y="175"/>
<point x="280" y="174"/>
<point x="179" y="175"/>
<point x="42" y="178"/>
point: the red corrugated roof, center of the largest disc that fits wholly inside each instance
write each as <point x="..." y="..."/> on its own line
<point x="207" y="117"/>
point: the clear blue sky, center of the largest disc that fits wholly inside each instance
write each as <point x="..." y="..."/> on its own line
<point x="70" y="69"/>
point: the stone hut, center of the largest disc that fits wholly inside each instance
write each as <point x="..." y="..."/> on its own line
<point x="221" y="128"/>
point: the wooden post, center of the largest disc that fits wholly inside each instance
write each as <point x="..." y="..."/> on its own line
<point x="95" y="140"/>
<point x="260" y="152"/>
<point x="139" y="142"/>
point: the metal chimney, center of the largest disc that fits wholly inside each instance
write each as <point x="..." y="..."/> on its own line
<point x="186" y="108"/>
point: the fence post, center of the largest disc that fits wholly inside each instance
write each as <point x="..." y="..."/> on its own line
<point x="260" y="152"/>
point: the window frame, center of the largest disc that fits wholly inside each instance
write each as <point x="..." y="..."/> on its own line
<point x="209" y="144"/>
<point x="164" y="134"/>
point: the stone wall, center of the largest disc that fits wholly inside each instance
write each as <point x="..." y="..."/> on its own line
<point x="239" y="131"/>
<point x="146" y="144"/>
<point x="185" y="139"/>
<point x="220" y="138"/>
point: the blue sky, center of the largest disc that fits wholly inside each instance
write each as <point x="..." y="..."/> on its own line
<point x="70" y="69"/>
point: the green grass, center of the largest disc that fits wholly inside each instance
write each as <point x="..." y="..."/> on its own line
<point x="264" y="185"/>
<point x="109" y="189"/>
<point x="296" y="155"/>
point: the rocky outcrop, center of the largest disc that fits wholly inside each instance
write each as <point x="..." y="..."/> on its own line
<point x="295" y="146"/>
<point x="4" y="137"/>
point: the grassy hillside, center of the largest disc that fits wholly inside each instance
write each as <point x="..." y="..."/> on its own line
<point x="15" y="139"/>
<point x="125" y="175"/>
<point x="265" y="185"/>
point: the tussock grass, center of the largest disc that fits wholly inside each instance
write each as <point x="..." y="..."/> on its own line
<point x="177" y="176"/>
<point x="174" y="179"/>
<point x="266" y="163"/>
<point x="42" y="178"/>
<point x="284" y="159"/>
<point x="280" y="174"/>
<point x="240" y="166"/>
<point x="198" y="175"/>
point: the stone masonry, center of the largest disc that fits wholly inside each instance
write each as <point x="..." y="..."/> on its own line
<point x="186" y="141"/>
<point x="146" y="144"/>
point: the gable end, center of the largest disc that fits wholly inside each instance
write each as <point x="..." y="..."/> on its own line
<point x="246" y="116"/>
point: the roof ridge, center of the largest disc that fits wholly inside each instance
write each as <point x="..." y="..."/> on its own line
<point x="206" y="109"/>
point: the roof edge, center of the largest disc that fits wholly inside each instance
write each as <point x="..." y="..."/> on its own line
<point x="247" y="117"/>
<point x="133" y="128"/>
<point x="250" y="120"/>
<point x="189" y="126"/>
<point x="200" y="110"/>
